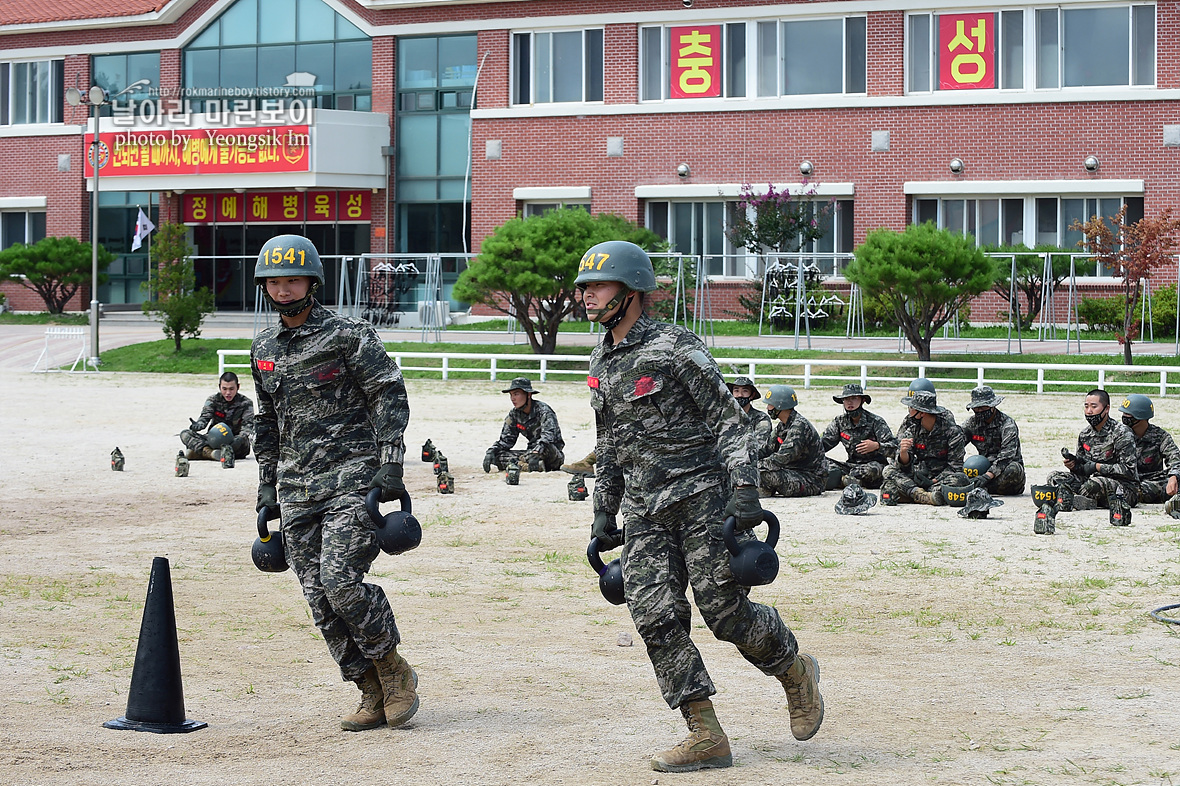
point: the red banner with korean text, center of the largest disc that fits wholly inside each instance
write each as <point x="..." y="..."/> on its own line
<point x="203" y="151"/>
<point x="696" y="61"/>
<point x="276" y="207"/>
<point x="967" y="51"/>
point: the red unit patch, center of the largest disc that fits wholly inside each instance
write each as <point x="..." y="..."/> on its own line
<point x="592" y="382"/>
<point x="644" y="385"/>
<point x="264" y="365"/>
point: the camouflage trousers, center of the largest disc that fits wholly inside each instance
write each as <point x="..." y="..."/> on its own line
<point x="192" y="441"/>
<point x="1010" y="482"/>
<point x="789" y="483"/>
<point x="1099" y="488"/>
<point x="330" y="545"/>
<point x="904" y="483"/>
<point x="1153" y="492"/>
<point x="551" y="458"/>
<point x="869" y="475"/>
<point x="681" y="547"/>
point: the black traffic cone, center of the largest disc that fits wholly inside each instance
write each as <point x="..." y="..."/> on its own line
<point x="155" y="702"/>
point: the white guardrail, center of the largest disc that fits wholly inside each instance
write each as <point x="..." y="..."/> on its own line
<point x="806" y="371"/>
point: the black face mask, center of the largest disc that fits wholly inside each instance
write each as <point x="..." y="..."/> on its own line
<point x="917" y="418"/>
<point x="855" y="413"/>
<point x="743" y="401"/>
<point x="772" y="412"/>
<point x="1095" y="419"/>
<point x="1129" y="421"/>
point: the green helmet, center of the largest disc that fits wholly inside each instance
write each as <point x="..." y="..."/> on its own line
<point x="921" y="383"/>
<point x="618" y="260"/>
<point x="781" y="397"/>
<point x="288" y="255"/>
<point x="1138" y="406"/>
<point x="974" y="466"/>
<point x="219" y="436"/>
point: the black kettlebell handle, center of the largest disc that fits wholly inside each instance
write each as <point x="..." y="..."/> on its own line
<point x="266" y="514"/>
<point x="729" y="532"/>
<point x="593" y="552"/>
<point x="373" y="501"/>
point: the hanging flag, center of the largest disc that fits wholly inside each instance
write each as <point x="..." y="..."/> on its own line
<point x="143" y="227"/>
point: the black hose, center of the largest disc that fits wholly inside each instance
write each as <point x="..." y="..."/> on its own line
<point x="1159" y="617"/>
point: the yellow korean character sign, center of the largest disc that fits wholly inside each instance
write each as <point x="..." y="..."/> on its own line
<point x="696" y="61"/>
<point x="967" y="51"/>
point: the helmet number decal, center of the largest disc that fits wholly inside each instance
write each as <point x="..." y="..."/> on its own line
<point x="588" y="262"/>
<point x="276" y="256"/>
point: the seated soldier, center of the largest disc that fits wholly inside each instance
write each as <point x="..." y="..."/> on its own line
<point x="867" y="439"/>
<point x="995" y="435"/>
<point x="1104" y="462"/>
<point x="1159" y="458"/>
<point x="797" y="467"/>
<point x="228" y="406"/>
<point x="760" y="425"/>
<point x="537" y="421"/>
<point x="930" y="450"/>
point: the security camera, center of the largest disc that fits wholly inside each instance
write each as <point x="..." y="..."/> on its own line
<point x="686" y="3"/>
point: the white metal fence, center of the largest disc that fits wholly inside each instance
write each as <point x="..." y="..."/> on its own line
<point x="805" y="372"/>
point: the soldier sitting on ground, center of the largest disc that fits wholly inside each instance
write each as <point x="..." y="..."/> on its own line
<point x="797" y="467"/>
<point x="995" y="435"/>
<point x="1103" y="464"/>
<point x="921" y="383"/>
<point x="930" y="451"/>
<point x="228" y="406"/>
<point x="537" y="422"/>
<point x="759" y="423"/>
<point x="867" y="439"/>
<point x="1159" y="458"/>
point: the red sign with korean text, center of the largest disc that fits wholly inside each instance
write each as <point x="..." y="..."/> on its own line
<point x="203" y="151"/>
<point x="967" y="51"/>
<point x="276" y="207"/>
<point x="696" y="61"/>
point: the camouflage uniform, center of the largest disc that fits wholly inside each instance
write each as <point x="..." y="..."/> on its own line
<point x="761" y="429"/>
<point x="999" y="441"/>
<point x="332" y="408"/>
<point x="539" y="428"/>
<point x="237" y="414"/>
<point x="797" y="468"/>
<point x="1159" y="459"/>
<point x="672" y="443"/>
<point x="1114" y="448"/>
<point x="867" y="469"/>
<point x="937" y="456"/>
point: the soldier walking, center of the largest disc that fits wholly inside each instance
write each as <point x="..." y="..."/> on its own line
<point x="1104" y="463"/>
<point x="1159" y="458"/>
<point x="537" y="423"/>
<point x="995" y="435"/>
<point x="229" y="406"/>
<point x="797" y="466"/>
<point x="930" y="451"/>
<point x="332" y="409"/>
<point x="672" y="448"/>
<point x="866" y="437"/>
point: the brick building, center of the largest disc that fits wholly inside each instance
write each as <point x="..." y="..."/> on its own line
<point x="352" y="121"/>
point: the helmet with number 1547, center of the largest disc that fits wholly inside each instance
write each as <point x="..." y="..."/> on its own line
<point x="618" y="260"/>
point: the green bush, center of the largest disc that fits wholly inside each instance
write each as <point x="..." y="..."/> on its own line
<point x="1107" y="313"/>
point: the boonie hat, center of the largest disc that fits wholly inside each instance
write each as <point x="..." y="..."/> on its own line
<point x="924" y="401"/>
<point x="519" y="383"/>
<point x="854" y="500"/>
<point x="984" y="396"/>
<point x="744" y="382"/>
<point x="853" y="390"/>
<point x="979" y="502"/>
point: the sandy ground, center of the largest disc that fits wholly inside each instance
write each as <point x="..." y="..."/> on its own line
<point x="952" y="651"/>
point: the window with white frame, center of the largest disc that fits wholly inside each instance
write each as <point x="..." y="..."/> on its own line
<point x="530" y="209"/>
<point x="1086" y="47"/>
<point x="21" y="226"/>
<point x="556" y="67"/>
<point x="31" y="92"/>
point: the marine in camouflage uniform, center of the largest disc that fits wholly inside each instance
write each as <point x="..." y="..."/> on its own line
<point x="537" y="423"/>
<point x="672" y="446"/>
<point x="1106" y="461"/>
<point x="995" y="435"/>
<point x="331" y="417"/>
<point x="237" y="413"/>
<point x="857" y="427"/>
<point x="929" y="454"/>
<point x="758" y="422"/>
<point x="797" y="467"/>
<point x="1159" y="458"/>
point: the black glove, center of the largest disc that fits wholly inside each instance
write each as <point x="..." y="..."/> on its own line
<point x="607" y="532"/>
<point x="488" y="459"/>
<point x="389" y="480"/>
<point x="1087" y="468"/>
<point x="267" y="496"/>
<point x="980" y="481"/>
<point x="747" y="507"/>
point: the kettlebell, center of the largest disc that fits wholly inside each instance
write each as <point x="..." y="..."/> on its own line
<point x="268" y="553"/>
<point x="610" y="577"/>
<point x="752" y="562"/>
<point x="399" y="531"/>
<point x="428" y="452"/>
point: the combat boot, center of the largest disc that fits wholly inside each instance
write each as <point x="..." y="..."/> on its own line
<point x="924" y="497"/>
<point x="208" y="454"/>
<point x="371" y="712"/>
<point x="399" y="683"/>
<point x="1082" y="502"/>
<point x="1172" y="507"/>
<point x="705" y="747"/>
<point x="583" y="466"/>
<point x="804" y="701"/>
<point x="1064" y="498"/>
<point x="193" y="454"/>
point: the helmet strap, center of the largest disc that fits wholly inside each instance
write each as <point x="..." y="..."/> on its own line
<point x="622" y="301"/>
<point x="296" y="308"/>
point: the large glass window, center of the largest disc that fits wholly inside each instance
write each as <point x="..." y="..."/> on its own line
<point x="1098" y="46"/>
<point x="269" y="44"/>
<point x="31" y="92"/>
<point x="557" y="67"/>
<point x="21" y="226"/>
<point x="117" y="73"/>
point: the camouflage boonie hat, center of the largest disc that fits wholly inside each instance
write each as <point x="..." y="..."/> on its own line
<point x="979" y="502"/>
<point x="854" y="500"/>
<point x="984" y="396"/>
<point x="924" y="401"/>
<point x="853" y="390"/>
<point x="519" y="383"/>
<point x="743" y="382"/>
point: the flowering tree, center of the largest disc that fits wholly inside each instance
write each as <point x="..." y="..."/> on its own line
<point x="1136" y="249"/>
<point x="776" y="220"/>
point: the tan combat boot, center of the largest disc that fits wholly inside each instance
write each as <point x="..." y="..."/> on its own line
<point x="399" y="683"/>
<point x="371" y="712"/>
<point x="584" y="466"/>
<point x="924" y="497"/>
<point x="208" y="454"/>
<point x="706" y="745"/>
<point x="804" y="701"/>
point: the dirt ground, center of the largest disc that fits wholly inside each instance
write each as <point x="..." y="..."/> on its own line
<point x="952" y="651"/>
